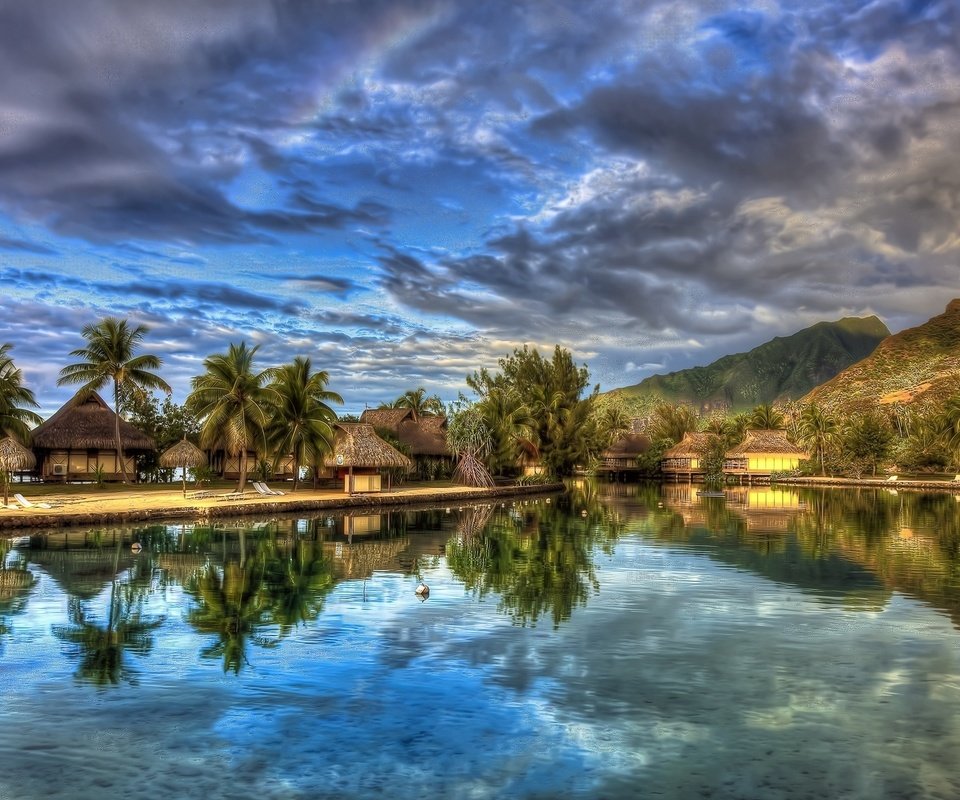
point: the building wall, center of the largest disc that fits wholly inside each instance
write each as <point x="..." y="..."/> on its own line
<point x="82" y="464"/>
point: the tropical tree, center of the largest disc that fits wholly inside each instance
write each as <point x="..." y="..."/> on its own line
<point x="552" y="391"/>
<point x="301" y="424"/>
<point x="817" y="431"/>
<point x="233" y="403"/>
<point x="15" y="419"/>
<point x="868" y="439"/>
<point x="767" y="418"/>
<point x="671" y="422"/>
<point x="510" y="425"/>
<point x="418" y="402"/>
<point x="950" y="428"/>
<point x="110" y="356"/>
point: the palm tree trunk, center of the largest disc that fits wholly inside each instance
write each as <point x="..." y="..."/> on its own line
<point x="243" y="468"/>
<point x="296" y="472"/>
<point x="116" y="430"/>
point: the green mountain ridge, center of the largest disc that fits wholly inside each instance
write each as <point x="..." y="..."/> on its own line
<point x="917" y="367"/>
<point x="785" y="368"/>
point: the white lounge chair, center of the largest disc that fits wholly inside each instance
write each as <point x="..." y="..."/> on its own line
<point x="27" y="504"/>
<point x="892" y="478"/>
<point x="262" y="488"/>
<point x="957" y="478"/>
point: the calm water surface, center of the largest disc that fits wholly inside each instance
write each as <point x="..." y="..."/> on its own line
<point x="621" y="641"/>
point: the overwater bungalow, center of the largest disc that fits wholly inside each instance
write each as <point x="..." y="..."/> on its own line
<point x="79" y="441"/>
<point x="685" y="459"/>
<point x="359" y="456"/>
<point x="423" y="436"/>
<point x="620" y="459"/>
<point x="761" y="454"/>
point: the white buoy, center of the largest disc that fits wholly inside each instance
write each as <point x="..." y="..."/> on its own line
<point x="136" y="547"/>
<point x="422" y="590"/>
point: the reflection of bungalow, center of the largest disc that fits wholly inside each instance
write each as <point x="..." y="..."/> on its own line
<point x="81" y="438"/>
<point x="423" y="436"/>
<point x="762" y="453"/>
<point x="621" y="457"/>
<point x="685" y="458"/>
<point x="359" y="455"/>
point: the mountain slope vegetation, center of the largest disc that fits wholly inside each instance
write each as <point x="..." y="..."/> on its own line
<point x="918" y="367"/>
<point x="785" y="368"/>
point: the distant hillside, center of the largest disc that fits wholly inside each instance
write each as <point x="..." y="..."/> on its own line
<point x="919" y="367"/>
<point x="784" y="368"/>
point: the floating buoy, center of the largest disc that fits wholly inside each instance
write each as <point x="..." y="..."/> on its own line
<point x="136" y="547"/>
<point x="422" y="590"/>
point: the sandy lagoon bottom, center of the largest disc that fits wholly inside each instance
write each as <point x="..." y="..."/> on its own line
<point x="617" y="642"/>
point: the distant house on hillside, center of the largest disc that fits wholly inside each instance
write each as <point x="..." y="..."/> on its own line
<point x="762" y="453"/>
<point x="422" y="436"/>
<point x="80" y="439"/>
<point x="685" y="459"/>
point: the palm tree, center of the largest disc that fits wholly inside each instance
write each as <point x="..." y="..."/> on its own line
<point x="233" y="403"/>
<point x="14" y="418"/>
<point x="672" y="422"/>
<point x="767" y="418"/>
<point x="109" y="356"/>
<point x="302" y="422"/>
<point x="817" y="430"/>
<point x="950" y="428"/>
<point x="418" y="402"/>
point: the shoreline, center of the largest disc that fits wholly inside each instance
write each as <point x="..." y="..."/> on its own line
<point x="946" y="486"/>
<point x="122" y="507"/>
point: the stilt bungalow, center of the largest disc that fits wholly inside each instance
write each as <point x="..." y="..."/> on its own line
<point x="359" y="455"/>
<point x="620" y="459"/>
<point x="761" y="454"/>
<point x="423" y="437"/>
<point x="685" y="459"/>
<point x="80" y="440"/>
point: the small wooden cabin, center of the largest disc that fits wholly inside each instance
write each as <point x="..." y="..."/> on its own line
<point x="359" y="455"/>
<point x="762" y="453"/>
<point x="684" y="459"/>
<point x="80" y="438"/>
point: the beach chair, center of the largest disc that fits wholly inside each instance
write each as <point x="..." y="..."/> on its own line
<point x="892" y="478"/>
<point x="233" y="496"/>
<point x="957" y="478"/>
<point x="264" y="489"/>
<point x="27" y="504"/>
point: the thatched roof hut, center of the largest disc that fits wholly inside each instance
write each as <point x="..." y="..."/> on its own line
<point x="422" y="435"/>
<point x="763" y="452"/>
<point x="88" y="424"/>
<point x="691" y="445"/>
<point x="80" y="438"/>
<point x="621" y="456"/>
<point x="766" y="441"/>
<point x="357" y="445"/>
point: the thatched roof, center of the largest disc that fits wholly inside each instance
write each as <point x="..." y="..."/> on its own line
<point x="356" y="444"/>
<point x="183" y="454"/>
<point x="630" y="445"/>
<point x="766" y="442"/>
<point x="425" y="435"/>
<point x="692" y="445"/>
<point x="14" y="456"/>
<point x="88" y="425"/>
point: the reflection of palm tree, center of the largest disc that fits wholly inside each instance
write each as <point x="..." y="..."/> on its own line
<point x="231" y="606"/>
<point x="540" y="563"/>
<point x="297" y="584"/>
<point x="101" y="647"/>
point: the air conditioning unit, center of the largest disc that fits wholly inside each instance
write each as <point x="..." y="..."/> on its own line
<point x="59" y="469"/>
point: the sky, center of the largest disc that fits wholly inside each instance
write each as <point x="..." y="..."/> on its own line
<point x="405" y="192"/>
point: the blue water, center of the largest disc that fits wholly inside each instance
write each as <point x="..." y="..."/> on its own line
<point x="618" y="642"/>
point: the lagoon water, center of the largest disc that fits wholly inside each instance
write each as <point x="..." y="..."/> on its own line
<point x="621" y="641"/>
